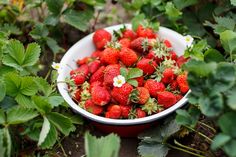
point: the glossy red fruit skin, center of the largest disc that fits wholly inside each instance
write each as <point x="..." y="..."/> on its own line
<point x="127" y="56"/>
<point x="173" y="56"/>
<point x="147" y="65"/>
<point x="121" y="94"/>
<point x="178" y="97"/>
<point x="96" y="54"/>
<point x="153" y="87"/>
<point x="98" y="75"/>
<point x="140" y="113"/>
<point x="125" y="42"/>
<point x="143" y="95"/>
<point x="110" y="72"/>
<point x="136" y="44"/>
<point x="125" y="110"/>
<point x="140" y="81"/>
<point x="168" y="76"/>
<point x="84" y="60"/>
<point x="174" y="85"/>
<point x="100" y="96"/>
<point x="128" y="33"/>
<point x="80" y="74"/>
<point x="100" y="38"/>
<point x="114" y="112"/>
<point x="181" y="60"/>
<point x="151" y="55"/>
<point x="145" y="32"/>
<point x="182" y="83"/>
<point x="110" y="56"/>
<point x="167" y="43"/>
<point x="94" y="66"/>
<point x="77" y="96"/>
<point x="92" y="108"/>
<point x="166" y="99"/>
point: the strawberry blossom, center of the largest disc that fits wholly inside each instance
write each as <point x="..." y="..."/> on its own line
<point x="189" y="40"/>
<point x="56" y="66"/>
<point x="118" y="81"/>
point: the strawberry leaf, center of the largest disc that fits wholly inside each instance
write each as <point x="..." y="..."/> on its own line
<point x="123" y="72"/>
<point x="3" y="89"/>
<point x="134" y="73"/>
<point x="133" y="82"/>
<point x="41" y="104"/>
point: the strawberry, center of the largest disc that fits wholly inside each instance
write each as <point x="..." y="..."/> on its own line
<point x="100" y="95"/>
<point x="166" y="99"/>
<point x="140" y="45"/>
<point x="167" y="43"/>
<point x="151" y="55"/>
<point x="84" y="60"/>
<point x="181" y="60"/>
<point x="110" y="56"/>
<point x="96" y="54"/>
<point x="168" y="76"/>
<point x="76" y="95"/>
<point x="128" y="33"/>
<point x="151" y="106"/>
<point x="173" y="55"/>
<point x="153" y="87"/>
<point x="140" y="95"/>
<point x="125" y="42"/>
<point x="121" y="94"/>
<point x="100" y="38"/>
<point x="94" y="66"/>
<point x="127" y="56"/>
<point x="182" y="83"/>
<point x="114" y="112"/>
<point x="174" y="85"/>
<point x="140" y="113"/>
<point x="98" y="75"/>
<point x="145" y="32"/>
<point x="147" y="65"/>
<point x="178" y="97"/>
<point x="93" y="84"/>
<point x="140" y="81"/>
<point x="92" y="108"/>
<point x="110" y="72"/>
<point x="125" y="110"/>
<point x="80" y="74"/>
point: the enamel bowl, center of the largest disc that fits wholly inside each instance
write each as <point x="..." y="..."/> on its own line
<point x="129" y="127"/>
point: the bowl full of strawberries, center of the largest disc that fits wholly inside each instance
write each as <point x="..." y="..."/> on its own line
<point x="124" y="79"/>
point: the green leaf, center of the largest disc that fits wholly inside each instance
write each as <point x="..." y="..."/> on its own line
<point x="133" y="82"/>
<point x="76" y="119"/>
<point x="55" y="100"/>
<point x="43" y="86"/>
<point x="41" y="104"/>
<point x="19" y="115"/>
<point x="55" y="6"/>
<point x="227" y="124"/>
<point x="28" y="86"/>
<point x="53" y="45"/>
<point x="44" y="131"/>
<point x="183" y="117"/>
<point x="2" y="117"/>
<point x="107" y="146"/>
<point x="229" y="148"/>
<point x="61" y="122"/>
<point x="78" y="19"/>
<point x="228" y="40"/>
<point x="3" y="89"/>
<point x="220" y="140"/>
<point x="10" y="29"/>
<point x="32" y="54"/>
<point x="24" y="101"/>
<point x="180" y="4"/>
<point x="136" y="21"/>
<point x="233" y="2"/>
<point x="231" y="97"/>
<point x="51" y="20"/>
<point x="213" y="55"/>
<point x="172" y="12"/>
<point x="134" y="73"/>
<point x="12" y="81"/>
<point x="40" y="31"/>
<point x="124" y="72"/>
<point x="152" y="150"/>
<point x="5" y="139"/>
<point x="50" y="139"/>
<point x="7" y="103"/>
<point x="211" y="105"/>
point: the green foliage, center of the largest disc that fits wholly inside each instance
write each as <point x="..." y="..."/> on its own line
<point x="107" y="146"/>
<point x="131" y="74"/>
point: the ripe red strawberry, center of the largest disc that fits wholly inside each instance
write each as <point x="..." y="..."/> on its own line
<point x="94" y="66"/>
<point x="80" y="74"/>
<point x="153" y="87"/>
<point x="84" y="60"/>
<point x="145" y="32"/>
<point x="168" y="76"/>
<point x="182" y="83"/>
<point x="140" y="113"/>
<point x="125" y="42"/>
<point x="127" y="56"/>
<point x="166" y="99"/>
<point x="100" y="38"/>
<point x="76" y="95"/>
<point x="140" y="81"/>
<point x="93" y="84"/>
<point x="167" y="43"/>
<point x="98" y="75"/>
<point x="140" y="45"/>
<point x="147" y="65"/>
<point x="178" y="97"/>
<point x="128" y="33"/>
<point x="96" y="54"/>
<point x="100" y="95"/>
<point x="151" y="55"/>
<point x="140" y="95"/>
<point x="173" y="55"/>
<point x="114" y="112"/>
<point x="110" y="56"/>
<point x="181" y="60"/>
<point x="121" y="94"/>
<point x="110" y="72"/>
<point x="174" y="85"/>
<point x="92" y="108"/>
<point x="125" y="110"/>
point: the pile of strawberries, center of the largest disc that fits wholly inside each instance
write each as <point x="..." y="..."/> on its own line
<point x="131" y="74"/>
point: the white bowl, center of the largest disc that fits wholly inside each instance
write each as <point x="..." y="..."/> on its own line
<point x="85" y="47"/>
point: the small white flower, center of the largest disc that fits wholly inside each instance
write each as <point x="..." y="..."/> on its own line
<point x="118" y="81"/>
<point x="189" y="40"/>
<point x="56" y="66"/>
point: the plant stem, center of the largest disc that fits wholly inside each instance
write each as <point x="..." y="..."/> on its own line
<point x="189" y="148"/>
<point x="201" y="134"/>
<point x="186" y="151"/>
<point x="47" y="75"/>
<point x="204" y="124"/>
<point x="63" y="150"/>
